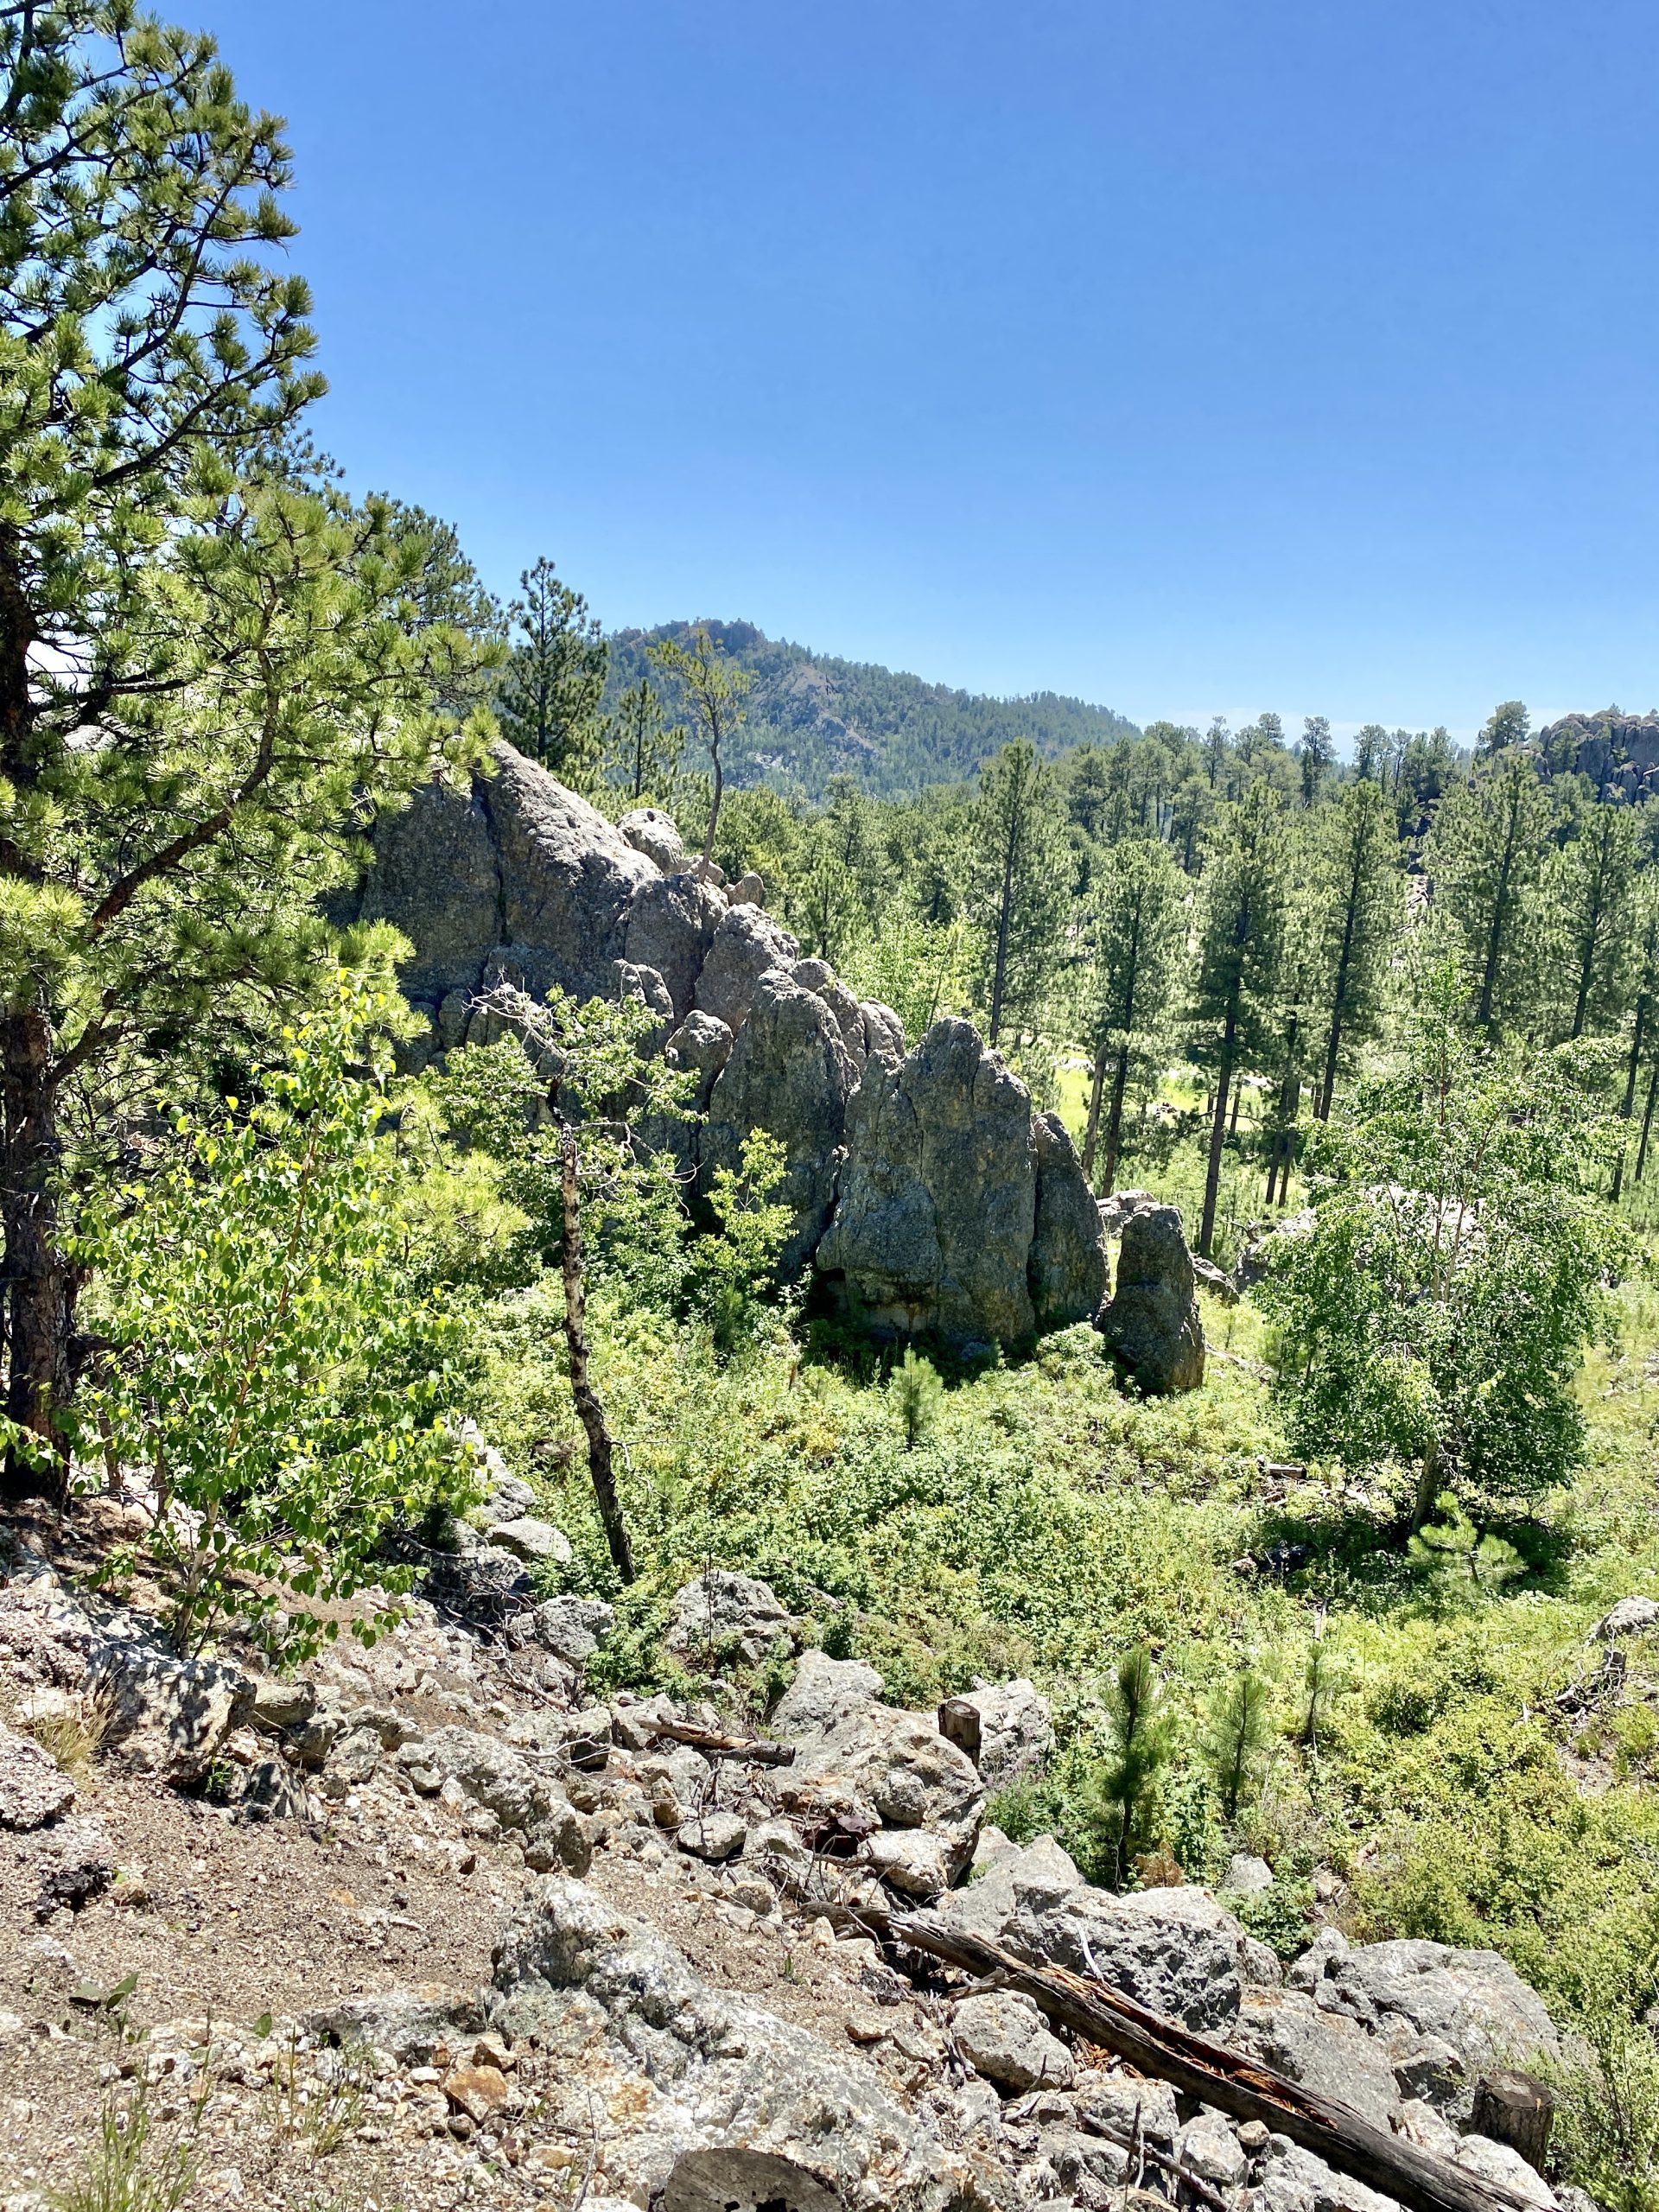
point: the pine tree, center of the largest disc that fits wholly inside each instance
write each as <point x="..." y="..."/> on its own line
<point x="1485" y="853"/>
<point x="1240" y="918"/>
<point x="1240" y="1728"/>
<point x="642" y="752"/>
<point x="1355" y="890"/>
<point x="1140" y="1750"/>
<point x="1019" y="882"/>
<point x="1644" y="981"/>
<point x="211" y="664"/>
<point x="838" y="896"/>
<point x="1587" y="898"/>
<point x="1318" y="751"/>
<point x="1133" y="929"/>
<point x="548" y="703"/>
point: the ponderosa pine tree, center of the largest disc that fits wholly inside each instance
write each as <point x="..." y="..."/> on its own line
<point x="1588" y="895"/>
<point x="1240" y="903"/>
<point x="1316" y="752"/>
<point x="1485" y="855"/>
<point x="1134" y="932"/>
<point x="1644" y="991"/>
<point x="1019" y="882"/>
<point x="1354" y="884"/>
<point x="839" y="893"/>
<point x="548" y="700"/>
<point x="642" y="752"/>
<point x="715" y="688"/>
<point x="211" y="665"/>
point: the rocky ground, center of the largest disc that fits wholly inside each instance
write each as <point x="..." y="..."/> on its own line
<point x="422" y="1925"/>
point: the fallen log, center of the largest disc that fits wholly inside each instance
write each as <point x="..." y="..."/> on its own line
<point x="1234" y="2084"/>
<point x="757" y="1751"/>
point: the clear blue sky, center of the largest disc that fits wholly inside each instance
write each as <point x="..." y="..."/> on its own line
<point x="1193" y="356"/>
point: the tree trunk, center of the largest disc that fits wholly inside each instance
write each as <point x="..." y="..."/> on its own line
<point x="1339" y="1001"/>
<point x="38" y="1283"/>
<point x="1092" y="1128"/>
<point x="1114" y="1118"/>
<point x="1429" y="1477"/>
<point x="1219" y="1131"/>
<point x="998" y="977"/>
<point x="1647" y="1121"/>
<point x="589" y="1410"/>
<point x="714" y="811"/>
<point x="1627" y="1106"/>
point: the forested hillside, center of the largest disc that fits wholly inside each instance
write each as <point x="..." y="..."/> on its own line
<point x="608" y="1345"/>
<point x="813" y="716"/>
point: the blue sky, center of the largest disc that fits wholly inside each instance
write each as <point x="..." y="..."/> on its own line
<point x="1192" y="356"/>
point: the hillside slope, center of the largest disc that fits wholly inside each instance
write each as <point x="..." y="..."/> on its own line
<point x="813" y="716"/>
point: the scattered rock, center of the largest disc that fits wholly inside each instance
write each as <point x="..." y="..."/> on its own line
<point x="1630" y="1617"/>
<point x="572" y="1629"/>
<point x="656" y="835"/>
<point x="75" y="1861"/>
<point x="712" y="1836"/>
<point x="534" y="1540"/>
<point x="1216" y="1281"/>
<point x="479" y="2091"/>
<point x="1002" y="2037"/>
<point x="1174" y="1951"/>
<point x="34" y="1789"/>
<point x="1152" y="1324"/>
<point x="167" y="1716"/>
<point x="722" y="1615"/>
<point x="1248" y="1877"/>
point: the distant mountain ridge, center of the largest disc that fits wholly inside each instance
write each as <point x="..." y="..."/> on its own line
<point x="812" y="716"/>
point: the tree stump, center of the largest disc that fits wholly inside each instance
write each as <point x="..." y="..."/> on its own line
<point x="1515" y="2109"/>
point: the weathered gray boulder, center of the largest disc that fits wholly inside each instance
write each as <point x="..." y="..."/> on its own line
<point x="1005" y="1728"/>
<point x="505" y="1783"/>
<point x="748" y="945"/>
<point x="883" y="1031"/>
<point x="167" y="1716"/>
<point x="647" y="988"/>
<point x="706" y="2099"/>
<point x="933" y="1226"/>
<point x="1630" y="1617"/>
<point x="1331" y="2055"/>
<point x="1066" y="1270"/>
<point x="1174" y="1950"/>
<point x="852" y="1752"/>
<point x="527" y="1537"/>
<point x="514" y="863"/>
<point x="34" y="1789"/>
<point x="701" y="1046"/>
<point x="819" y="976"/>
<point x="671" y="927"/>
<point x="1472" y="2001"/>
<point x="656" y="835"/>
<point x="790" y="1075"/>
<point x="720" y="1615"/>
<point x="572" y="1629"/>
<point x="1152" y="1324"/>
<point x="1002" y="2036"/>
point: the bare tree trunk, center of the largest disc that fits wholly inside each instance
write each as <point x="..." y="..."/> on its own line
<point x="1115" y="1118"/>
<point x="589" y="1410"/>
<point x="1092" y="1129"/>
<point x="1627" y="1105"/>
<point x="1647" y="1121"/>
<point x="1217" y="1132"/>
<point x="38" y="1284"/>
<point x="1428" y="1487"/>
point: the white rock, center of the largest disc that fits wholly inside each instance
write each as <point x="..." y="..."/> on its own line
<point x="1002" y="2037"/>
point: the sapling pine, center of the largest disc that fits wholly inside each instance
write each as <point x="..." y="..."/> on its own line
<point x="1141" y="1749"/>
<point x="916" y="1394"/>
<point x="1240" y="1729"/>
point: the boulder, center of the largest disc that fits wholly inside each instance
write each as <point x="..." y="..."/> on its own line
<point x="647" y="988"/>
<point x="748" y="945"/>
<point x="1005" y="1728"/>
<point x="712" y="1836"/>
<point x="708" y="2101"/>
<point x="1002" y="2036"/>
<point x="749" y="890"/>
<point x="817" y="975"/>
<point x="724" y="1615"/>
<point x="515" y="863"/>
<point x="1331" y="2055"/>
<point x="656" y="835"/>
<point x="853" y="1752"/>
<point x="1152" y="1324"/>
<point x="1118" y="1208"/>
<point x="495" y="1776"/>
<point x="789" y="1074"/>
<point x="1066" y="1269"/>
<point x="34" y="1789"/>
<point x="1247" y="1875"/>
<point x="167" y="1716"/>
<point x="670" y="927"/>
<point x="410" y="2025"/>
<point x="572" y="1629"/>
<point x="1473" y="2002"/>
<point x="915" y="1860"/>
<point x="933" y="1226"/>
<point x="1630" y="1617"/>
<point x="1208" y="1276"/>
<point x="883" y="1031"/>
<point x="1208" y="2146"/>
<point x="44" y="1637"/>
<point x="1174" y="1950"/>
<point x="530" y="1539"/>
<point x="701" y="1046"/>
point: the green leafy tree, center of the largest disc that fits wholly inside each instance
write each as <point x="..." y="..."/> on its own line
<point x="1485" y="853"/>
<point x="1241" y="920"/>
<point x="716" y="690"/>
<point x="1142" y="1743"/>
<point x="1134" y="934"/>
<point x="734" y="1274"/>
<point x="1239" y="1730"/>
<point x="1019" y="883"/>
<point x="598" y="1089"/>
<point x="1355" y="888"/>
<point x="549" y="692"/>
<point x="1435" y="1314"/>
<point x="211" y="666"/>
<point x="265" y="1365"/>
